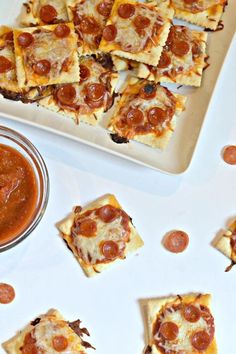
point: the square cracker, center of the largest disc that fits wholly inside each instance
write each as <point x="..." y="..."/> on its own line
<point x="224" y="243"/>
<point x="60" y="52"/>
<point x="65" y="226"/>
<point x="152" y="139"/>
<point x="208" y="18"/>
<point x="92" y="116"/>
<point x="154" y="306"/>
<point x="151" y="51"/>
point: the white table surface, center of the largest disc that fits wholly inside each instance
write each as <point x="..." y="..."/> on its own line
<point x="201" y="202"/>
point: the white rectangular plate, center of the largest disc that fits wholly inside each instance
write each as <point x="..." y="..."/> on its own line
<point x="177" y="157"/>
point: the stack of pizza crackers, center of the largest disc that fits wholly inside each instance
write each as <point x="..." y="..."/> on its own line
<point x="68" y="55"/>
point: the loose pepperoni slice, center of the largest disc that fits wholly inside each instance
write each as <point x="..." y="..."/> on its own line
<point x="25" y="39"/>
<point x="164" y="61"/>
<point x="134" y="117"/>
<point x="229" y="155"/>
<point x="201" y="340"/>
<point x="109" y="33"/>
<point x="148" y="91"/>
<point x="66" y="94"/>
<point x="88" y="228"/>
<point x="180" y="48"/>
<point x="126" y="10"/>
<point x="169" y="330"/>
<point x="84" y="73"/>
<point x="89" y="25"/>
<point x="156" y="115"/>
<point x="110" y="249"/>
<point x="7" y="293"/>
<point x="176" y="241"/>
<point x="108" y="213"/>
<point x="62" y="31"/>
<point x="141" y="22"/>
<point x="5" y="65"/>
<point x="48" y="13"/>
<point x="59" y="343"/>
<point x="42" y="67"/>
<point x="29" y="346"/>
<point x="191" y="313"/>
<point x="104" y="8"/>
<point x="95" y="92"/>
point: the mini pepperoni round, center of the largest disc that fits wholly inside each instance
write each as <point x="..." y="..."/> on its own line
<point x="156" y="115"/>
<point x="108" y="213"/>
<point x="62" y="30"/>
<point x="229" y="155"/>
<point x="126" y="10"/>
<point x="95" y="92"/>
<point x="176" y="241"/>
<point x="29" y="345"/>
<point x="148" y="91"/>
<point x="88" y="228"/>
<point x="109" y="33"/>
<point x="84" y="73"/>
<point x="191" y="313"/>
<point x="5" y="65"/>
<point x="109" y="249"/>
<point x="7" y="293"/>
<point x="104" y="8"/>
<point x="59" y="343"/>
<point x="180" y="48"/>
<point x="201" y="340"/>
<point x="134" y="117"/>
<point x="25" y="39"/>
<point x="42" y="67"/>
<point x="89" y="25"/>
<point x="169" y="330"/>
<point x="48" y="13"/>
<point x="164" y="61"/>
<point x="141" y="22"/>
<point x="66" y="94"/>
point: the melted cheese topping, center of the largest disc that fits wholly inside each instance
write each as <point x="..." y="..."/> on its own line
<point x="197" y="6"/>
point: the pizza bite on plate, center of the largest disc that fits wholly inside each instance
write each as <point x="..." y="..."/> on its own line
<point x="46" y="55"/>
<point x="49" y="333"/>
<point x="181" y="324"/>
<point x="100" y="234"/>
<point x="205" y="13"/>
<point x="88" y="99"/>
<point x="146" y="113"/>
<point x="227" y="242"/>
<point x="135" y="31"/>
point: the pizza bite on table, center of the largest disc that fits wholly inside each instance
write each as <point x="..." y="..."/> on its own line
<point x="43" y="12"/>
<point x="49" y="333"/>
<point x="227" y="242"/>
<point x="89" y="17"/>
<point x="135" y="31"/>
<point x="46" y="55"/>
<point x="181" y="324"/>
<point x="146" y="113"/>
<point x="88" y="99"/>
<point x="100" y="234"/>
<point x="205" y="13"/>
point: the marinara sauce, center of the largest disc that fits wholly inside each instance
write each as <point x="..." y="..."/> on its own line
<point x="18" y="193"/>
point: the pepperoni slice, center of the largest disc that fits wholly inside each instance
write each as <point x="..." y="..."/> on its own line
<point x="134" y="117"/>
<point x="84" y="73"/>
<point x="9" y="36"/>
<point x="42" y="67"/>
<point x="66" y="94"/>
<point x="180" y="48"/>
<point x="59" y="343"/>
<point x="109" y="33"/>
<point x="229" y="155"/>
<point x="89" y="25"/>
<point x="176" y="241"/>
<point x="48" y="14"/>
<point x="5" y="65"/>
<point x="201" y="340"/>
<point x="7" y="293"/>
<point x="62" y="31"/>
<point x="88" y="228"/>
<point x="104" y="8"/>
<point x="156" y="115"/>
<point x="126" y="10"/>
<point x="141" y="22"/>
<point x="169" y="330"/>
<point x="148" y="91"/>
<point x="109" y="249"/>
<point x="29" y="346"/>
<point x="25" y="39"/>
<point x="164" y="61"/>
<point x="108" y="213"/>
<point x="191" y="313"/>
<point x="95" y="92"/>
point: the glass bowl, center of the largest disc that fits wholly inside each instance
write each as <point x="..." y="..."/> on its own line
<point x="28" y="150"/>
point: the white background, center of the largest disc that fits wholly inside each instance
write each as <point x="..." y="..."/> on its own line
<point x="201" y="202"/>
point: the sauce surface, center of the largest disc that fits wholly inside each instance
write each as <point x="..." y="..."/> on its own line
<point x="18" y="193"/>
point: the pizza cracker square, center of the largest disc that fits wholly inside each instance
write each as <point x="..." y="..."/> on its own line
<point x="227" y="242"/>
